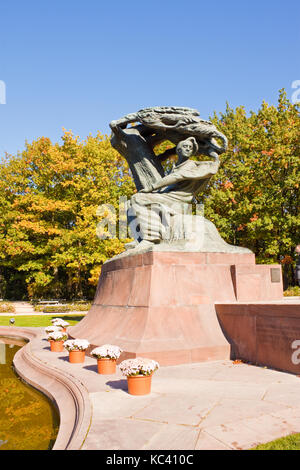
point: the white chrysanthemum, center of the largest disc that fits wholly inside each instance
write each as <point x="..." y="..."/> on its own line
<point x="50" y="329"/>
<point x="138" y="366"/>
<point x="57" y="336"/>
<point x="60" y="322"/>
<point x="73" y="344"/>
<point x="107" y="351"/>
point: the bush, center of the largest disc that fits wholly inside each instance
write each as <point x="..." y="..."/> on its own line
<point x="80" y="307"/>
<point x="62" y="308"/>
<point x="6" y="307"/>
<point x="38" y="308"/>
<point x="56" y="309"/>
<point x="292" y="291"/>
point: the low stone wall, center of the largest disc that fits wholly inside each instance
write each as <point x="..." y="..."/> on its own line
<point x="266" y="334"/>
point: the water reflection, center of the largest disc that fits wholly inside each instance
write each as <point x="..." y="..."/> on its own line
<point x="28" y="421"/>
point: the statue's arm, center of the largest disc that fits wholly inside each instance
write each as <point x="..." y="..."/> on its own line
<point x="164" y="182"/>
<point x="200" y="171"/>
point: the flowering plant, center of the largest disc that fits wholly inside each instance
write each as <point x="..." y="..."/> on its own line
<point x="76" y="344"/>
<point x="60" y="322"/>
<point x="51" y="329"/>
<point x="108" y="351"/>
<point x="57" y="336"/>
<point x="138" y="366"/>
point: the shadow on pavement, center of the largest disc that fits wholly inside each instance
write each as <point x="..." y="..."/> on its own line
<point x="118" y="384"/>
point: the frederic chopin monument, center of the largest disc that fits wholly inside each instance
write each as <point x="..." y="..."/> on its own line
<point x="160" y="206"/>
<point x="157" y="298"/>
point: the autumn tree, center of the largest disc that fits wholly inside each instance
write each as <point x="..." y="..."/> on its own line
<point x="51" y="193"/>
<point x="49" y="199"/>
<point x="254" y="198"/>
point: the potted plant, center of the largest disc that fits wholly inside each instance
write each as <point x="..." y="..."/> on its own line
<point x="106" y="356"/>
<point x="60" y="322"/>
<point x="139" y="374"/>
<point x="56" y="339"/>
<point x="76" y="348"/>
<point x="51" y="329"/>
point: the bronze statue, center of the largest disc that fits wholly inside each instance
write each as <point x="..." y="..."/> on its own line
<point x="158" y="209"/>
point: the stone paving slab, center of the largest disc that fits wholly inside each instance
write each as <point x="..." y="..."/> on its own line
<point x="218" y="405"/>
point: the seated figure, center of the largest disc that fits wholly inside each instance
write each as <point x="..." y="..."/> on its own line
<point x="160" y="214"/>
<point x="153" y="208"/>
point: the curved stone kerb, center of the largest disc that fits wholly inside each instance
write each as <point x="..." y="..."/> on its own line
<point x="69" y="394"/>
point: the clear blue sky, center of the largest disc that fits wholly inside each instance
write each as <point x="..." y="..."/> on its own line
<point x="79" y="64"/>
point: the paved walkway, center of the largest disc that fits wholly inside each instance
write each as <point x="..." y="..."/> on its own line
<point x="216" y="405"/>
<point x="24" y="308"/>
<point x="203" y="406"/>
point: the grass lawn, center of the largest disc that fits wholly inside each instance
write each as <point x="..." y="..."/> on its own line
<point x="38" y="320"/>
<point x="291" y="442"/>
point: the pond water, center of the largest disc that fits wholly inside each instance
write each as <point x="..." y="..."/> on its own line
<point x="28" y="419"/>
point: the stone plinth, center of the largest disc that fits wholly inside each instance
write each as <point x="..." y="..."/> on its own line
<point x="162" y="304"/>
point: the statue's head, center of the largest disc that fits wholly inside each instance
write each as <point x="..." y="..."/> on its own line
<point x="187" y="148"/>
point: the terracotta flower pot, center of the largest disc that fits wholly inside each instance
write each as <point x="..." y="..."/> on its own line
<point x="106" y="366"/>
<point x="76" y="356"/>
<point x="139" y="384"/>
<point x="56" y="346"/>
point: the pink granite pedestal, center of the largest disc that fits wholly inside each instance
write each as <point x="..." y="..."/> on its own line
<point x="161" y="305"/>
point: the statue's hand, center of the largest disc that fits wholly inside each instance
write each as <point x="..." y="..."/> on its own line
<point x="146" y="190"/>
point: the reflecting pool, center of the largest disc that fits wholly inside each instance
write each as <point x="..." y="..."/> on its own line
<point x="28" y="419"/>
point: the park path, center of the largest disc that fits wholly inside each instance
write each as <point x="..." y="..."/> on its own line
<point x="24" y="308"/>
